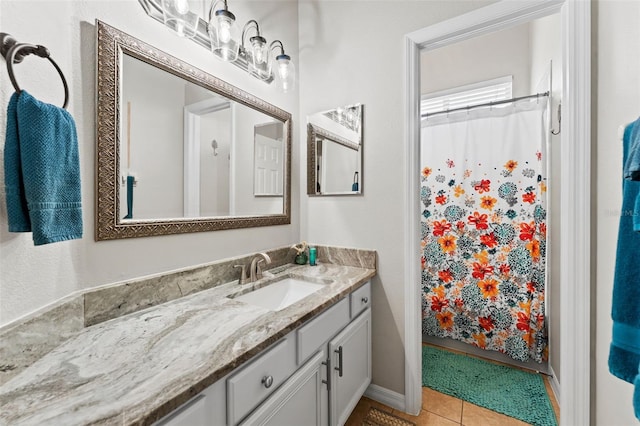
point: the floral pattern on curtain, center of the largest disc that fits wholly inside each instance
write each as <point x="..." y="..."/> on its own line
<point x="484" y="252"/>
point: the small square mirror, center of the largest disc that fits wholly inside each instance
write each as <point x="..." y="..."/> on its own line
<point x="334" y="151"/>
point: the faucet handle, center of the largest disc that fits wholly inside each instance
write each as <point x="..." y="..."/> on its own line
<point x="243" y="274"/>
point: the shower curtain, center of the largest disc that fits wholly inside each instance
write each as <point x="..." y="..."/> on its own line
<point x="484" y="227"/>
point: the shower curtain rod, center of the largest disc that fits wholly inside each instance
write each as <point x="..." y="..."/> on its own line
<point x="506" y="101"/>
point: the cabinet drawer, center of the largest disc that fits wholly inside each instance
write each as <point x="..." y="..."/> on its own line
<point x="320" y="329"/>
<point x="360" y="299"/>
<point x="254" y="383"/>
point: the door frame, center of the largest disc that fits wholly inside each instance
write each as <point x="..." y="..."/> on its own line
<point x="191" y="118"/>
<point x="575" y="217"/>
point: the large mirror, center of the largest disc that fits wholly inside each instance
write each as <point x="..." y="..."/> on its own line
<point x="179" y="150"/>
<point x="334" y="151"/>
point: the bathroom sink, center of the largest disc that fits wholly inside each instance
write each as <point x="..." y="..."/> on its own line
<point x="280" y="294"/>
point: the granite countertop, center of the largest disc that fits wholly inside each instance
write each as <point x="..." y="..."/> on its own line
<point x="139" y="367"/>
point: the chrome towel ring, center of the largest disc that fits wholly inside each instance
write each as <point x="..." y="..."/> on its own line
<point x="14" y="52"/>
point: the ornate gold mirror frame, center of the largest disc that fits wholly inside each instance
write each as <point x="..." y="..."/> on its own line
<point x="111" y="44"/>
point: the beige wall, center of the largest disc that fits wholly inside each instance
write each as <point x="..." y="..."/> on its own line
<point x="31" y="277"/>
<point x="482" y="58"/>
<point x="616" y="102"/>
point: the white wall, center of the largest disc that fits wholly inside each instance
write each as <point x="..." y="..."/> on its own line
<point x="339" y="164"/>
<point x="354" y="53"/>
<point x="616" y="102"/>
<point x="156" y="138"/>
<point x="31" y="277"/>
<point x="214" y="169"/>
<point x="490" y="56"/>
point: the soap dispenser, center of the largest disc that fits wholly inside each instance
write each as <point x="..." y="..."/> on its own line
<point x="312" y="256"/>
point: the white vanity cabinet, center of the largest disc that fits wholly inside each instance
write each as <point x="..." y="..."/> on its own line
<point x="351" y="367"/>
<point x="314" y="376"/>
<point x="302" y="400"/>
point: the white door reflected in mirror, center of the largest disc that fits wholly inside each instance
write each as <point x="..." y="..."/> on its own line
<point x="269" y="158"/>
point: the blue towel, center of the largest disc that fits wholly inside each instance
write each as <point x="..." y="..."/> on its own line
<point x="17" y="211"/>
<point x="129" y="198"/>
<point x="42" y="171"/>
<point x="636" y="396"/>
<point x="632" y="162"/>
<point x="624" y="354"/>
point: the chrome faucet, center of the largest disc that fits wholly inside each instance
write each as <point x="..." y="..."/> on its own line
<point x="255" y="272"/>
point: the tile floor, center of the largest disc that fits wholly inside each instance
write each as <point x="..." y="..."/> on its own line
<point x="439" y="409"/>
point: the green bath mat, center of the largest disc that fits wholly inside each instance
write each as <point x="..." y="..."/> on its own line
<point x="509" y="391"/>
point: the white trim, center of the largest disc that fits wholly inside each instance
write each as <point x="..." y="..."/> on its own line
<point x="191" y="196"/>
<point x="575" y="217"/>
<point x="485" y="20"/>
<point x="555" y="385"/>
<point x="191" y="132"/>
<point x="412" y="297"/>
<point x="385" y="396"/>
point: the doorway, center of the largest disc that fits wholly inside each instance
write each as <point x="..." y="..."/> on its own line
<point x="574" y="219"/>
<point x="487" y="107"/>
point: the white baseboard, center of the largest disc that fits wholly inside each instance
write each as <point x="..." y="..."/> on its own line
<point x="386" y="396"/>
<point x="555" y="384"/>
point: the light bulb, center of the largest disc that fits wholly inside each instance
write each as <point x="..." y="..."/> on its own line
<point x="258" y="53"/>
<point x="180" y="28"/>
<point x="283" y="69"/>
<point x="182" y="6"/>
<point x="225" y="31"/>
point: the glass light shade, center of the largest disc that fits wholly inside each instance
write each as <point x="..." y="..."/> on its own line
<point x="259" y="49"/>
<point x="178" y="17"/>
<point x="285" y="73"/>
<point x="258" y="65"/>
<point x="225" y="35"/>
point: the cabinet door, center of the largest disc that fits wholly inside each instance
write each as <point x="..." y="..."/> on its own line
<point x="208" y="408"/>
<point x="192" y="413"/>
<point x="350" y="353"/>
<point x="302" y="400"/>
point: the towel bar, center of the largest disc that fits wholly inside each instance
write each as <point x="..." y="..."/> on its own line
<point x="14" y="52"/>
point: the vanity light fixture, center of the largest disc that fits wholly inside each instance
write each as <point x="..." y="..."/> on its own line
<point x="283" y="69"/>
<point x="259" y="58"/>
<point x="221" y="35"/>
<point x="223" y="31"/>
<point x="178" y="17"/>
<point x="348" y="117"/>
